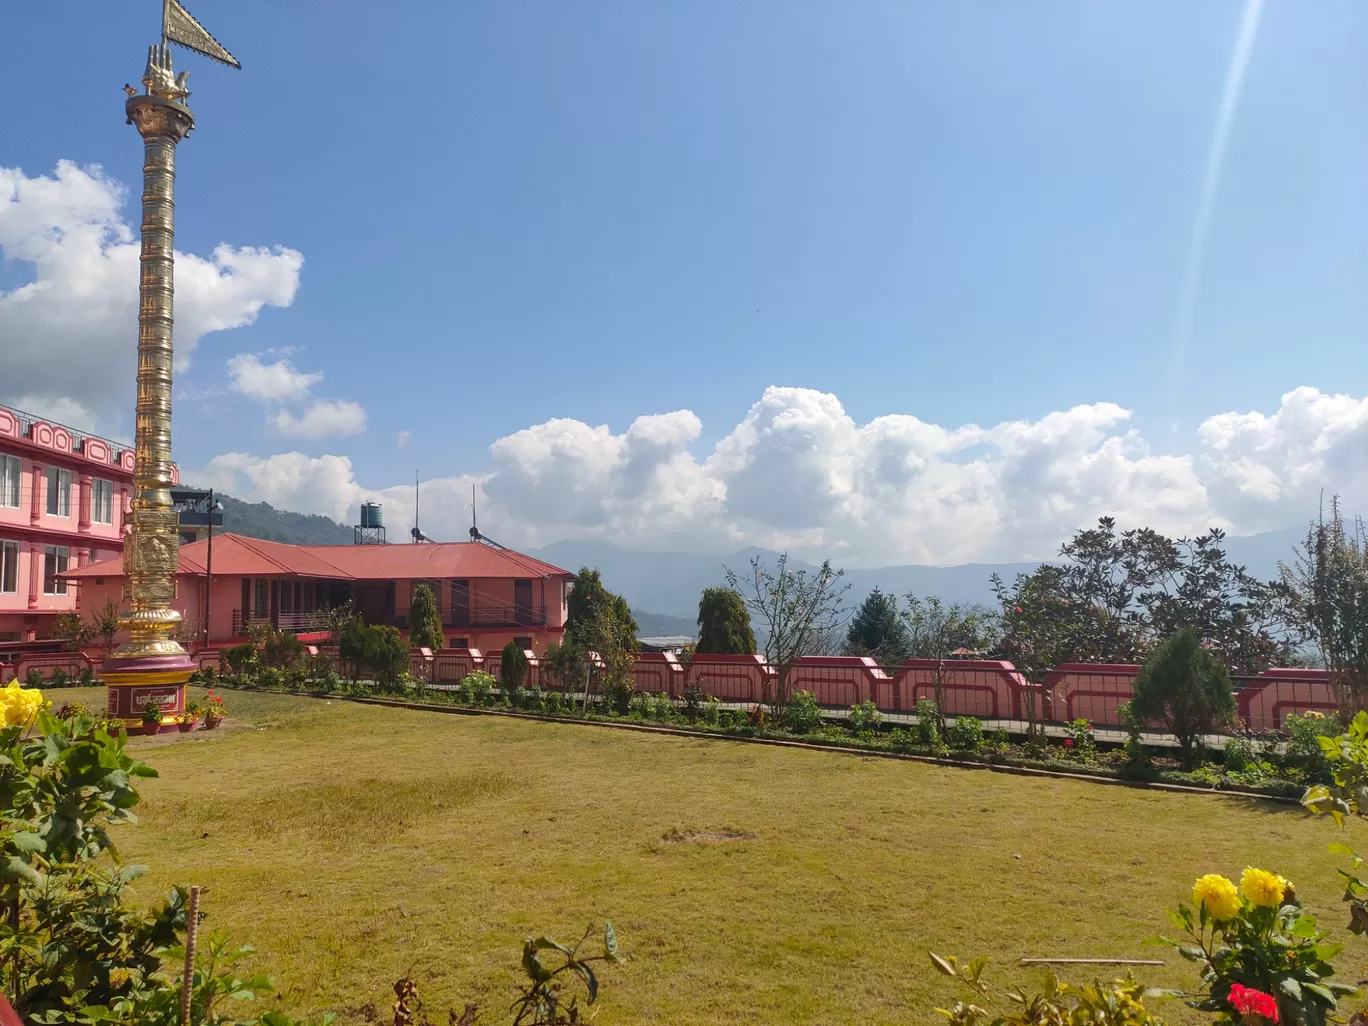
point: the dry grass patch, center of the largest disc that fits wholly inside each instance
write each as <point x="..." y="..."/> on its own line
<point x="353" y="844"/>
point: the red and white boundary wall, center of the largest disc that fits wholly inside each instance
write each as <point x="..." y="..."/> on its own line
<point x="988" y="689"/>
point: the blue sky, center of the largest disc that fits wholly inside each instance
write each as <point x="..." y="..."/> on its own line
<point x="970" y="212"/>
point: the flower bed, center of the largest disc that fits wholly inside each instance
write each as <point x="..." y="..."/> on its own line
<point x="1267" y="767"/>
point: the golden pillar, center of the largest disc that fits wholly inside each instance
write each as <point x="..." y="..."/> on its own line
<point x="152" y="665"/>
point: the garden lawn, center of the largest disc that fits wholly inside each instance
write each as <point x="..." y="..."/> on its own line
<point x="352" y="844"/>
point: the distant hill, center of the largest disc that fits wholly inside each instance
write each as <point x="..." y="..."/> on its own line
<point x="659" y="625"/>
<point x="672" y="581"/>
<point x="261" y="520"/>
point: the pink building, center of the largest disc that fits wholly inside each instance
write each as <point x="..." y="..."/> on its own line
<point x="488" y="596"/>
<point x="63" y="495"/>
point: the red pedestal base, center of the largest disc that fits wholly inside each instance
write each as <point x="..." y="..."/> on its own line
<point x="135" y="682"/>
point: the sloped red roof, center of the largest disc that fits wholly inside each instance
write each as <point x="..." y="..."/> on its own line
<point x="236" y="556"/>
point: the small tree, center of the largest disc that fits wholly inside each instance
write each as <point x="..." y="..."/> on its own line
<point x="798" y="612"/>
<point x="71" y="631"/>
<point x="1329" y="587"/>
<point x="614" y="642"/>
<point x="513" y="668"/>
<point x="1188" y="688"/>
<point x="104" y="623"/>
<point x="563" y="664"/>
<point x="878" y="630"/>
<point x="724" y="625"/>
<point x="425" y="619"/>
<point x="935" y="631"/>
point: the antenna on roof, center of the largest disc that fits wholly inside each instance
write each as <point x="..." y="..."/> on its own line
<point x="475" y="534"/>
<point x="418" y="536"/>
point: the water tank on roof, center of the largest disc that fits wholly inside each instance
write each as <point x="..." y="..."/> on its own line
<point x="372" y="515"/>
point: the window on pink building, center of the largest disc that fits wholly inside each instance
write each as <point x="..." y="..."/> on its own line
<point x="9" y="567"/>
<point x="9" y="480"/>
<point x="55" y="559"/>
<point x="58" y="494"/>
<point x="102" y="501"/>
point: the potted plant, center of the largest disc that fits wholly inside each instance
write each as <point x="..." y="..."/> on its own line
<point x="152" y="716"/>
<point x="186" y="721"/>
<point x="213" y="710"/>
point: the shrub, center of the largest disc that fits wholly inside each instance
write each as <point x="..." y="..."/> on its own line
<point x="802" y="714"/>
<point x="617" y="693"/>
<point x="1137" y="755"/>
<point x="59" y="678"/>
<point x="377" y="650"/>
<point x="694" y="697"/>
<point x="34" y="678"/>
<point x="1081" y="741"/>
<point x="513" y="667"/>
<point x="1120" y="1003"/>
<point x="966" y="734"/>
<point x="1188" y="688"/>
<point x="864" y="718"/>
<point x="1238" y="754"/>
<point x="281" y="649"/>
<point x="477" y="688"/>
<point x="240" y="658"/>
<point x="87" y="676"/>
<point x="928" y="722"/>
<point x="554" y="700"/>
<point x="1303" y="749"/>
<point x="712" y="709"/>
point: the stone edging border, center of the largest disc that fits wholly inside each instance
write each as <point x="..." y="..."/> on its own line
<point x="652" y="728"/>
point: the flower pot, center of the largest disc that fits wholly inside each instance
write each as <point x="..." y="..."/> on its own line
<point x="186" y="726"/>
<point x="212" y="722"/>
<point x="149" y="729"/>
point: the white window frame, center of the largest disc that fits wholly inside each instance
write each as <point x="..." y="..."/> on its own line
<point x="102" y="501"/>
<point x="61" y="559"/>
<point x="11" y="473"/>
<point x="9" y="567"/>
<point x="59" y="492"/>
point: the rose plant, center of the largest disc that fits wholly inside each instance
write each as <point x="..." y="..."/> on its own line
<point x="1262" y="958"/>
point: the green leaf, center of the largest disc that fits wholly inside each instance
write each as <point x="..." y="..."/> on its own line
<point x="947" y="966"/>
<point x="1304" y="927"/>
<point x="1287" y="985"/>
<point x="543" y="943"/>
<point x="1321" y="992"/>
<point x="610" y="941"/>
<point x="26" y="840"/>
<point x="15" y="868"/>
<point x="590" y="980"/>
<point x="1192" y="952"/>
<point x="1340" y="848"/>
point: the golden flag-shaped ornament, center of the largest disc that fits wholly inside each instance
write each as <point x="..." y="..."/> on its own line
<point x="180" y="26"/>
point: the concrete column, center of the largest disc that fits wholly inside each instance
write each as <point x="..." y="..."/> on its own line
<point x="39" y="488"/>
<point x="35" y="575"/>
<point x="87" y="489"/>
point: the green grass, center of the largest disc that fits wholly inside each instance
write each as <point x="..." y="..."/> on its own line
<point x="352" y="844"/>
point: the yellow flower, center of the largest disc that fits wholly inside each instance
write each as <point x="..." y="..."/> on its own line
<point x="1262" y="887"/>
<point x="1219" y="895"/>
<point x="19" y="705"/>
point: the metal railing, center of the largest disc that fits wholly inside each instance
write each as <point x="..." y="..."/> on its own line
<point x="495" y="614"/>
<point x="297" y="623"/>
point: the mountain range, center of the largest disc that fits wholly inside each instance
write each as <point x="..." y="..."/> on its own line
<point x="663" y="587"/>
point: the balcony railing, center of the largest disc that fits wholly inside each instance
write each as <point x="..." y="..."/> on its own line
<point x="297" y="623"/>
<point x="495" y="614"/>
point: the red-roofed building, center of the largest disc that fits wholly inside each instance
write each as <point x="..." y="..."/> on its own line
<point x="488" y="595"/>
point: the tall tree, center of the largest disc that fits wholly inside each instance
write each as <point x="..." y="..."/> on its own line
<point x="1039" y="629"/>
<point x="877" y="629"/>
<point x="936" y="631"/>
<point x="724" y="624"/>
<point x="1328" y="585"/>
<point x="589" y="600"/>
<point x="425" y="619"/>
<point x="1188" y="688"/>
<point x="797" y="611"/>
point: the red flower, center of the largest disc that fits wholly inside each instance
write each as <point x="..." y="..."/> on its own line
<point x="1249" y="1002"/>
<point x="1018" y="609"/>
<point x="1068" y="742"/>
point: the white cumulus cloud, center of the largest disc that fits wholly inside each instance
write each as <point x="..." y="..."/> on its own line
<point x="71" y="330"/>
<point x="322" y="419"/>
<point x="269" y="381"/>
